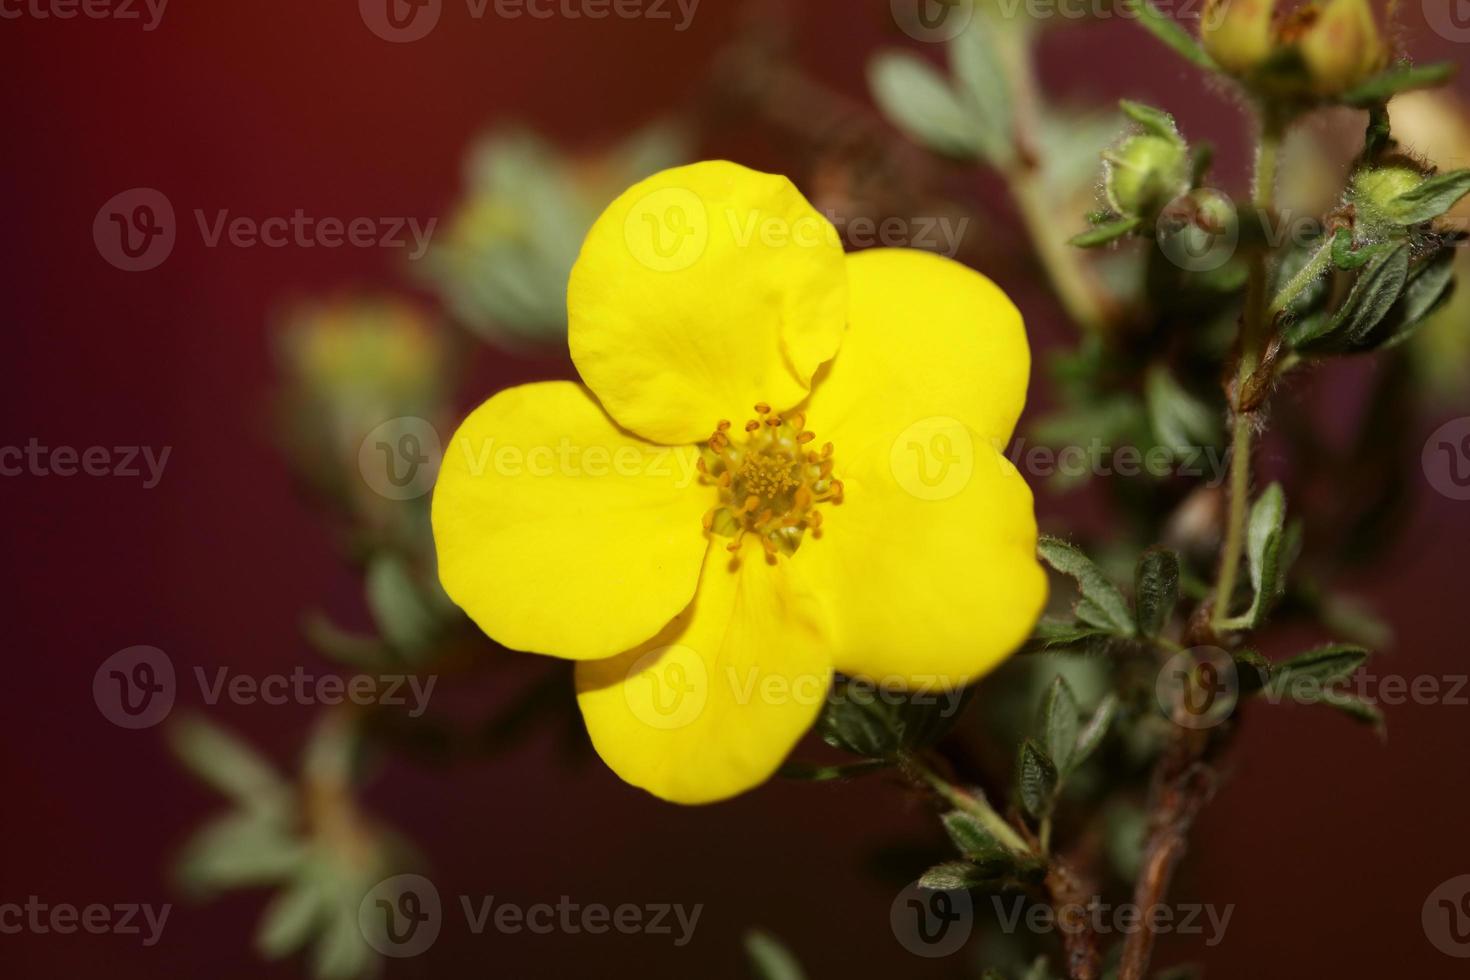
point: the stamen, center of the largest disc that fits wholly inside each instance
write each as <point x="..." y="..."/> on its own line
<point x="769" y="483"/>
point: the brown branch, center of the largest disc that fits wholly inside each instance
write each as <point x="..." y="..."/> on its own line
<point x="1070" y="898"/>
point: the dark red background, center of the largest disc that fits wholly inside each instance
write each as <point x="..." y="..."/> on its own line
<point x="1327" y="846"/>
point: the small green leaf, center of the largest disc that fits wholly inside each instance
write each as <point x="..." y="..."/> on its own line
<point x="1105" y="234"/>
<point x="1345" y="256"/>
<point x="1180" y="421"/>
<point x="1156" y="589"/>
<point x="1155" y="121"/>
<point x="952" y="876"/>
<point x="859" y="723"/>
<point x="1355" y="708"/>
<point x="229" y="765"/>
<point x="1264" y="536"/>
<point x="1102" y="604"/>
<point x="1374" y="293"/>
<point x="1168" y="32"/>
<point x="1052" y="636"/>
<point x="239" y="851"/>
<point x="342" y="952"/>
<point x="1431" y="282"/>
<point x="1400" y="78"/>
<point x="972" y="839"/>
<point x="1059" y="722"/>
<point x="1430" y="199"/>
<point x="769" y="957"/>
<point x="1317" y="669"/>
<point x="1036" y="779"/>
<point x="1096" y="729"/>
<point x="916" y="98"/>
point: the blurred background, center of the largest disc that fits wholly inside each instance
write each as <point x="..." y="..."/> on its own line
<point x="265" y="108"/>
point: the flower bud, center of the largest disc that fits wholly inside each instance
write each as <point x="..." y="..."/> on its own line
<point x="1341" y="45"/>
<point x="1145" y="173"/>
<point x="1237" y="33"/>
<point x="1374" y="191"/>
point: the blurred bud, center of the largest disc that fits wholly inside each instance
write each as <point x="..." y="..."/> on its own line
<point x="1144" y="173"/>
<point x="1238" y="33"/>
<point x="1340" y="44"/>
<point x="347" y="367"/>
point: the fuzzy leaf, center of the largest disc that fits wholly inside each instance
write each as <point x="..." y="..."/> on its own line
<point x="769" y="957"/>
<point x="1430" y="199"/>
<point x="972" y="839"/>
<point x="1096" y="729"/>
<point x="1155" y="121"/>
<point x="981" y="79"/>
<point x="1156" y="589"/>
<point x="1036" y="777"/>
<point x="1059" y="723"/>
<point x="290" y="919"/>
<point x="1102" y="604"/>
<point x="1105" y="234"/>
<point x="1400" y="78"/>
<point x="1168" y="32"/>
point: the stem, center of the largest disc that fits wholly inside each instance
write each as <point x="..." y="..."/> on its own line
<point x="1309" y="273"/>
<point x="1252" y="344"/>
<point x="976" y="806"/>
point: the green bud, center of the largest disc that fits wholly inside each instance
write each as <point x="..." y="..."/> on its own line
<point x="1238" y="33"/>
<point x="1374" y="192"/>
<point x="1144" y="173"/>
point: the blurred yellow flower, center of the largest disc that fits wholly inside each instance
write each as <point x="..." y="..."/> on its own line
<point x="676" y="526"/>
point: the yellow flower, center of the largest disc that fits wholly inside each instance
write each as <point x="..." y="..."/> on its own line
<point x="675" y="526"/>
<point x="1342" y="46"/>
<point x="1238" y="33"/>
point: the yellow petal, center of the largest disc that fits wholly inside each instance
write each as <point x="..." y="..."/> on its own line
<point x="928" y="568"/>
<point x="712" y="705"/>
<point x="559" y="533"/>
<point x="700" y="292"/>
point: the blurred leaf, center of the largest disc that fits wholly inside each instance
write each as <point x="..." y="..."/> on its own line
<point x="953" y="876"/>
<point x="972" y="839"/>
<point x="820" y="774"/>
<point x="397" y="606"/>
<point x="981" y="79"/>
<point x="919" y="101"/>
<point x="1374" y="293"/>
<point x="290" y="919"/>
<point x="1431" y="281"/>
<point x="237" y="851"/>
<point x="1036" y="777"/>
<point x="1168" y="31"/>
<point x="1400" y="78"/>
<point x="1320" y="668"/>
<point x="1051" y="636"/>
<point x="352" y="649"/>
<point x="230" y="766"/>
<point x="1180" y="421"/>
<point x="1154" y="121"/>
<point x="342" y="951"/>
<point x="1105" y="234"/>
<point x="1102" y="604"/>
<point x="1059" y="723"/>
<point x="1156" y="589"/>
<point x="863" y="726"/>
<point x="1096" y="729"/>
<point x="769" y="958"/>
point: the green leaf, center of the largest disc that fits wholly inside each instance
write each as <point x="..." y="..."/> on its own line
<point x="1168" y="32"/>
<point x="290" y="919"/>
<point x="1059" y="722"/>
<point x="239" y="851"/>
<point x="1180" y="421"/>
<point x="953" y="876"/>
<point x="229" y="765"/>
<point x="1430" y="199"/>
<point x="342" y="952"/>
<point x="811" y="772"/>
<point x="1036" y="776"/>
<point x="1400" y="78"/>
<point x="1102" y="604"/>
<point x="1348" y="258"/>
<point x="972" y="839"/>
<point x="1355" y="708"/>
<point x="1431" y="281"/>
<point x="1264" y="536"/>
<point x="1317" y="669"/>
<point x="1053" y="636"/>
<point x="1155" y="121"/>
<point x="981" y="79"/>
<point x="1096" y="729"/>
<point x="397" y="606"/>
<point x="859" y="723"/>
<point x="1374" y="293"/>
<point x="919" y="101"/>
<point x="769" y="957"/>
<point x="1156" y="589"/>
<point x="1105" y="234"/>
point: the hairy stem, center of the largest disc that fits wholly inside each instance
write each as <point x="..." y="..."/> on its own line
<point x="1253" y="337"/>
<point x="976" y="806"/>
<point x="1309" y="274"/>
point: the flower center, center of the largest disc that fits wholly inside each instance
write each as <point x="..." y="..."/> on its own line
<point x="769" y="481"/>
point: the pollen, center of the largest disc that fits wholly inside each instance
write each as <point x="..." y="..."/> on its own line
<point x="768" y="482"/>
